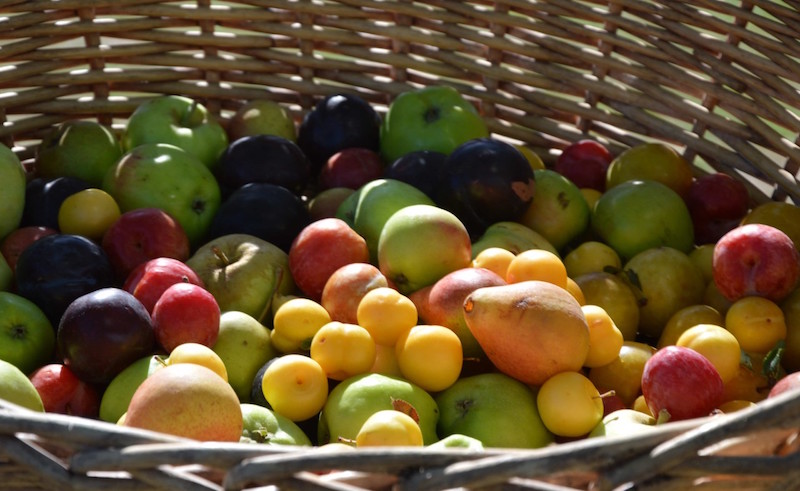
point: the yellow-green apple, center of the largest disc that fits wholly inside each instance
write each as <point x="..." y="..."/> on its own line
<point x="322" y="247"/>
<point x="325" y="203"/>
<point x="244" y="346"/>
<point x="180" y="121"/>
<point x="637" y="215"/>
<point x="158" y="175"/>
<point x="679" y="383"/>
<point x="261" y="117"/>
<point x="78" y="148"/>
<point x="435" y="118"/>
<point x="6" y="275"/>
<point x="559" y="211"/>
<point x="347" y="286"/>
<point x="664" y="280"/>
<point x="63" y="392"/>
<point x="263" y="425"/>
<point x="57" y="269"/>
<point x="717" y="203"/>
<point x="140" y="235"/>
<point x="44" y="197"/>
<point x="654" y="161"/>
<point x="755" y="259"/>
<point x="149" y="280"/>
<point x="12" y="201"/>
<point x="457" y="440"/>
<point x="187" y="400"/>
<point x="243" y="273"/>
<point x="103" y="332"/>
<point x="16" y="388"/>
<point x="117" y="394"/>
<point x="263" y="158"/>
<point x="338" y="121"/>
<point x="485" y="181"/>
<point x="355" y="399"/>
<point x="421" y="243"/>
<point x="28" y="337"/>
<point x="585" y="163"/>
<point x="624" y="374"/>
<point x="368" y="208"/>
<point x="185" y="313"/>
<point x="493" y="408"/>
<point x="624" y="421"/>
<point x="16" y="242"/>
<point x="442" y="303"/>
<point x="351" y="168"/>
<point x="512" y="236"/>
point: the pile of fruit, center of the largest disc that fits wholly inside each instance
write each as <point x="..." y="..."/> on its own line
<point x="406" y="278"/>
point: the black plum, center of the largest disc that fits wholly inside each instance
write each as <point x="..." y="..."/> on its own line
<point x="57" y="269"/>
<point x="267" y="211"/>
<point x="263" y="158"/>
<point x="337" y="122"/>
<point x="422" y="169"/>
<point x="103" y="332"/>
<point x="43" y="198"/>
<point x="485" y="181"/>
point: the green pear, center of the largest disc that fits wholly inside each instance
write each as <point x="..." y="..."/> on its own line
<point x="355" y="399"/>
<point x="119" y="391"/>
<point x="12" y="199"/>
<point x="263" y="425"/>
<point x="511" y="236"/>
<point x="495" y="409"/>
<point x="623" y="422"/>
<point x="17" y="388"/>
<point x="367" y="209"/>
<point x="244" y="346"/>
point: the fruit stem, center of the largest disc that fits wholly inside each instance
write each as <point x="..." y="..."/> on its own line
<point x="432" y="114"/>
<point x="221" y="255"/>
<point x="609" y="393"/>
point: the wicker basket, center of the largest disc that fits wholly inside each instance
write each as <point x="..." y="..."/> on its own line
<point x="716" y="79"/>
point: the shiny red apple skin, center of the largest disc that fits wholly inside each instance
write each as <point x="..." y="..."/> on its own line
<point x="143" y="234"/>
<point x="717" y="203"/>
<point x="790" y="381"/>
<point x="351" y="168"/>
<point x="186" y="313"/>
<point x="585" y="163"/>
<point x="682" y="382"/>
<point x="19" y="239"/>
<point x="148" y="281"/>
<point x="347" y="286"/>
<point x="755" y="259"/>
<point x="63" y="392"/>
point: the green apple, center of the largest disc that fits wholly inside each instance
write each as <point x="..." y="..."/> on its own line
<point x="244" y="273"/>
<point x="559" y="211"/>
<point x="178" y="121"/>
<point x="512" y="236"/>
<point x="27" y="338"/>
<point x="434" y="118"/>
<point x="367" y="209"/>
<point x="78" y="148"/>
<point x="623" y="422"/>
<point x="17" y="388"/>
<point x="244" y="346"/>
<point x="494" y="408"/>
<point x="262" y="425"/>
<point x="119" y="391"/>
<point x="457" y="440"/>
<point x="157" y="175"/>
<point x="261" y="117"/>
<point x="355" y="399"/>
<point x="637" y="215"/>
<point x="419" y="244"/>
<point x="6" y="275"/>
<point x="12" y="199"/>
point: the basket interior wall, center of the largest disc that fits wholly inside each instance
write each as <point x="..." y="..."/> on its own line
<point x="717" y="79"/>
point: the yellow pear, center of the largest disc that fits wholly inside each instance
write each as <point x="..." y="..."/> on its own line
<point x="529" y="330"/>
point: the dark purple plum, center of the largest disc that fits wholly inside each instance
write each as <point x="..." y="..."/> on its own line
<point x="422" y="169"/>
<point x="484" y="181"/>
<point x="43" y="198"/>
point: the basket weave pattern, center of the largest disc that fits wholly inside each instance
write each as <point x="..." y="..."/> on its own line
<point x="719" y="80"/>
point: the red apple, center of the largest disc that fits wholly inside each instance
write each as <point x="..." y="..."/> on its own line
<point x="612" y="402"/>
<point x="186" y="313"/>
<point x="148" y="281"/>
<point x="755" y="259"/>
<point x="585" y="163"/>
<point x="679" y="383"/>
<point x="16" y="242"/>
<point x="347" y="286"/>
<point x="786" y="383"/>
<point x="443" y="303"/>
<point x="326" y="202"/>
<point x="143" y="234"/>
<point x="64" y="393"/>
<point x="322" y="247"/>
<point x="351" y="168"/>
<point x="717" y="203"/>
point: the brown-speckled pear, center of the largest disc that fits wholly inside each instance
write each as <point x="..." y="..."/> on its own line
<point x="529" y="330"/>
